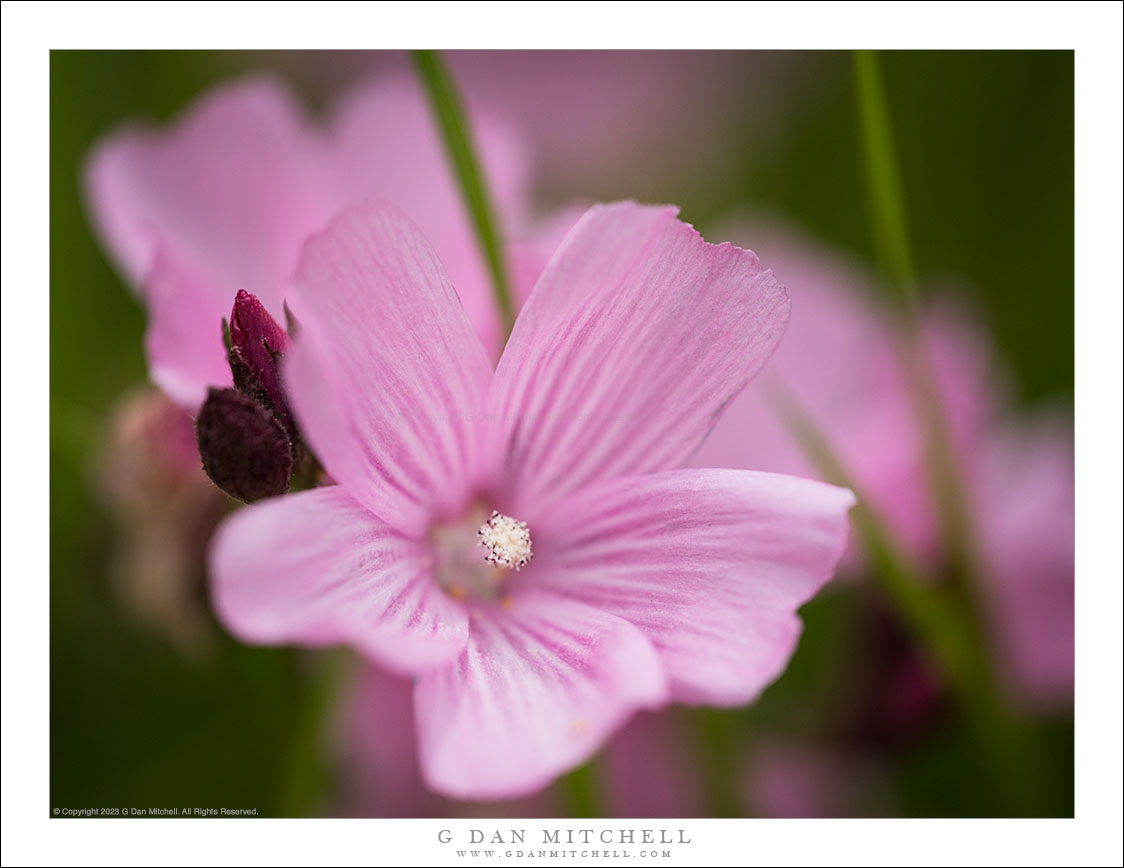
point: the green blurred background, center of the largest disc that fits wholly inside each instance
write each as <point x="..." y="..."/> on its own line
<point x="985" y="147"/>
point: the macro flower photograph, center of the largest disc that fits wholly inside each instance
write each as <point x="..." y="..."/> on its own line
<point x="513" y="437"/>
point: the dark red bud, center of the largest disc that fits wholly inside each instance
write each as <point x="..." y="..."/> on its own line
<point x="246" y="450"/>
<point x="257" y="344"/>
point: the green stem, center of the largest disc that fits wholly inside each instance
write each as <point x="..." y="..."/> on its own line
<point x="716" y="741"/>
<point x="887" y="208"/>
<point x="581" y="792"/>
<point x="447" y="107"/>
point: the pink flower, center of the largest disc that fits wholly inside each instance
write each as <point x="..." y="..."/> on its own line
<point x="838" y="360"/>
<point x="223" y="200"/>
<point x="632" y="583"/>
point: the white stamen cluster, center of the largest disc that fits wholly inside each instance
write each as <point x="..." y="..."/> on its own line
<point x="507" y="542"/>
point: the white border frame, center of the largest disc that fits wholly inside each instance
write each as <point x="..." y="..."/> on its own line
<point x="31" y="29"/>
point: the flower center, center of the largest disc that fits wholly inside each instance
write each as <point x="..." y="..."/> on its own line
<point x="475" y="556"/>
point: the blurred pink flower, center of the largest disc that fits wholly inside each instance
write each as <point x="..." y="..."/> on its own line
<point x="1023" y="488"/>
<point x="790" y="779"/>
<point x="150" y="455"/>
<point x="641" y="584"/>
<point x="223" y="199"/>
<point x="611" y="123"/>
<point x="377" y="751"/>
<point x="838" y="360"/>
<point x="164" y="509"/>
<point x="650" y="770"/>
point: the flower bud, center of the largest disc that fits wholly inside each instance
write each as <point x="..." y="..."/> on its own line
<point x="245" y="448"/>
<point x="257" y="343"/>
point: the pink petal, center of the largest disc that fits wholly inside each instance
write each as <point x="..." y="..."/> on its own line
<point x="385" y="145"/>
<point x="386" y="374"/>
<point x="635" y="337"/>
<point x="710" y="564"/>
<point x="316" y="568"/>
<point x="536" y="692"/>
<point x="532" y="250"/>
<point x="228" y="188"/>
<point x="184" y="338"/>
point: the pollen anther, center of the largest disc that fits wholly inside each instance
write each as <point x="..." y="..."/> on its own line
<point x="506" y="542"/>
